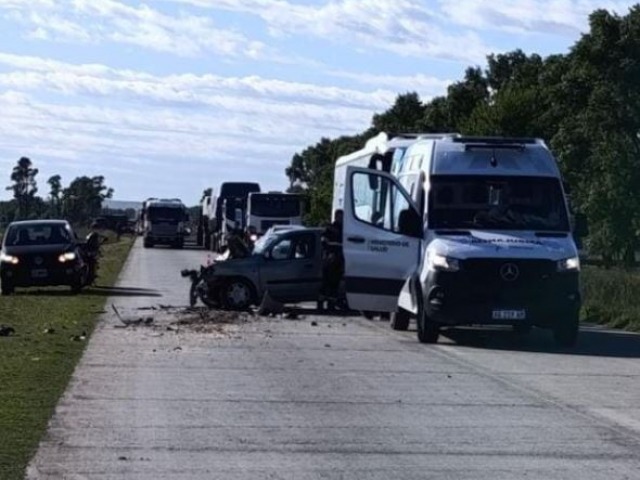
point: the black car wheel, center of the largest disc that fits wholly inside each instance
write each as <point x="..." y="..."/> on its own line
<point x="565" y="332"/>
<point x="400" y="320"/>
<point x="238" y="294"/>
<point x="7" y="288"/>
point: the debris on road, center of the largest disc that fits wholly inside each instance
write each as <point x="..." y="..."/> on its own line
<point x="6" y="331"/>
<point x="314" y="324"/>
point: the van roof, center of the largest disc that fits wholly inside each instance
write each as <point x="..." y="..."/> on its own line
<point x="512" y="156"/>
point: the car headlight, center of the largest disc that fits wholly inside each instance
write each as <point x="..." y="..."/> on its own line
<point x="254" y="237"/>
<point x="4" y="258"/>
<point x="67" y="257"/>
<point x="571" y="264"/>
<point x="443" y="263"/>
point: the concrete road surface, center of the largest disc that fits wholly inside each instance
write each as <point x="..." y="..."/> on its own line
<point x="344" y="399"/>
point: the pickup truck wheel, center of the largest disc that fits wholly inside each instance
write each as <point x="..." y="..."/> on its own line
<point x="428" y="330"/>
<point x="400" y="320"/>
<point x="565" y="332"/>
<point x="237" y="294"/>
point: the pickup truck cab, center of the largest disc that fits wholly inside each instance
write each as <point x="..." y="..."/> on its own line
<point x="288" y="264"/>
<point x="464" y="231"/>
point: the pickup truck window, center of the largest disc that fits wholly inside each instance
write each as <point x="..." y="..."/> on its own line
<point x="294" y="248"/>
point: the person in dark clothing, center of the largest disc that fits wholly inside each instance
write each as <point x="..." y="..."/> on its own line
<point x="332" y="263"/>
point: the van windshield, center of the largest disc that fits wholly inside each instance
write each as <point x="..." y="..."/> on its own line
<point x="497" y="203"/>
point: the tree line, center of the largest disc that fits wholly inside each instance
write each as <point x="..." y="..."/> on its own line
<point x="79" y="202"/>
<point x="585" y="104"/>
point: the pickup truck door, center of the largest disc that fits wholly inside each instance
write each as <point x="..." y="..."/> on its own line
<point x="382" y="237"/>
<point x="292" y="270"/>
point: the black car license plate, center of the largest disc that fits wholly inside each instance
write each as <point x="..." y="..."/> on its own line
<point x="39" y="273"/>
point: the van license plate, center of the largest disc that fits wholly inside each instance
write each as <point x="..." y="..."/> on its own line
<point x="509" y="314"/>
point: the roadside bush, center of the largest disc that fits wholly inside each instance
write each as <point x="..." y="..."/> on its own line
<point x="612" y="297"/>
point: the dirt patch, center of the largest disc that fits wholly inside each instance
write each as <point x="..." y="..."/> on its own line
<point x="204" y="320"/>
<point x="175" y="320"/>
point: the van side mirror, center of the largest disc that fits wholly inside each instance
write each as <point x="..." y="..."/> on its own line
<point x="581" y="228"/>
<point x="409" y="223"/>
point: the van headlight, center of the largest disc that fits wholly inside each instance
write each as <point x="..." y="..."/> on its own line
<point x="571" y="264"/>
<point x="443" y="263"/>
<point x="67" y="257"/>
<point x="13" y="260"/>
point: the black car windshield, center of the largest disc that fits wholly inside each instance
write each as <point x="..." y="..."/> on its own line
<point x="166" y="214"/>
<point x="275" y="206"/>
<point x="497" y="203"/>
<point x="37" y="234"/>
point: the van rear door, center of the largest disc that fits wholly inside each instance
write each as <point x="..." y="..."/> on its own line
<point x="383" y="232"/>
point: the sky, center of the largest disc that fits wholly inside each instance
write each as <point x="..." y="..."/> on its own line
<point x="168" y="97"/>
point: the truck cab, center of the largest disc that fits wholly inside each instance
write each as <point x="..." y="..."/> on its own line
<point x="464" y="231"/>
<point x="164" y="222"/>
<point x="265" y="210"/>
<point x="230" y="211"/>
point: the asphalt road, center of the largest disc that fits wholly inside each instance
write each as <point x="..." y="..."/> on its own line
<point x="344" y="399"/>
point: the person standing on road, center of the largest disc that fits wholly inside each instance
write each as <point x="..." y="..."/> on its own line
<point x="332" y="262"/>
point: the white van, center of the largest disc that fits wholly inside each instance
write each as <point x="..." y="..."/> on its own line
<point x="464" y="231"/>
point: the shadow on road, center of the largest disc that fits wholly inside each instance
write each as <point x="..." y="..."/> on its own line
<point x="593" y="341"/>
<point x="122" y="292"/>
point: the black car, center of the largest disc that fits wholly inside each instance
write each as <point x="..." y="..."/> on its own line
<point x="41" y="253"/>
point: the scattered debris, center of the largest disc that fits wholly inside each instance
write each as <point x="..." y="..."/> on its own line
<point x="293" y="316"/>
<point x="327" y="345"/>
<point x="314" y="324"/>
<point x="148" y="320"/>
<point x="78" y="338"/>
<point x="50" y="330"/>
<point x="448" y="376"/>
<point x="173" y="328"/>
<point x="7" y="331"/>
<point x="177" y="349"/>
<point x="146" y="308"/>
<point x="123" y="458"/>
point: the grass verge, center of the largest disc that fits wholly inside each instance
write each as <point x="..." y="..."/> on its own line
<point x="36" y="364"/>
<point x="612" y="297"/>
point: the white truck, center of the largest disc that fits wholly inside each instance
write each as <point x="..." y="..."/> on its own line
<point x="265" y="210"/>
<point x="164" y="222"/>
<point x="207" y="222"/>
<point x="463" y="231"/>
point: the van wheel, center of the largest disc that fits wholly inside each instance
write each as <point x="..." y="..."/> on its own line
<point x="428" y="330"/>
<point x="400" y="320"/>
<point x="238" y="294"/>
<point x="566" y="331"/>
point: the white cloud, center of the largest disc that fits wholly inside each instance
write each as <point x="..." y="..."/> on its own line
<point x="141" y="26"/>
<point x="90" y="114"/>
<point x="427" y="86"/>
<point x="563" y="17"/>
<point x="404" y="27"/>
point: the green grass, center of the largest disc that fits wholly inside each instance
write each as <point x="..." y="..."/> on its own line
<point x="612" y="297"/>
<point x="35" y="366"/>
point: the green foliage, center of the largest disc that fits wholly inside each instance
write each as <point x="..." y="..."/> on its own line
<point x="82" y="199"/>
<point x="585" y="104"/>
<point x="611" y="297"/>
<point x="24" y="187"/>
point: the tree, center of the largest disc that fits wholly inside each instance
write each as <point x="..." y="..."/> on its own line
<point x="55" y="195"/>
<point x="82" y="199"/>
<point x="24" y="187"/>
